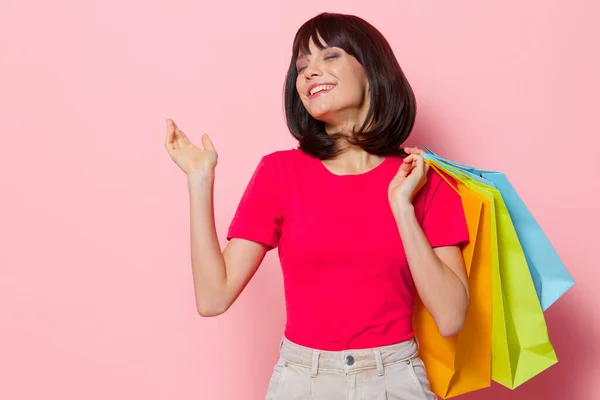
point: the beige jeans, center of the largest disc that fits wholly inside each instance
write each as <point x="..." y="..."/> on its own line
<point x="392" y="372"/>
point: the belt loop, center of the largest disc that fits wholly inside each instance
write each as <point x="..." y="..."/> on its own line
<point x="315" y="364"/>
<point x="281" y="343"/>
<point x="418" y="348"/>
<point x="379" y="362"/>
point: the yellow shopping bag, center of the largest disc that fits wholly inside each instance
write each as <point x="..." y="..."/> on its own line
<point x="461" y="364"/>
<point x="521" y="348"/>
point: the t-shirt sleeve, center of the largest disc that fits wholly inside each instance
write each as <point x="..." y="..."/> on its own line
<point x="444" y="222"/>
<point x="258" y="215"/>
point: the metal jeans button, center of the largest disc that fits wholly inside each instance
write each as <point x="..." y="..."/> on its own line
<point x="349" y="360"/>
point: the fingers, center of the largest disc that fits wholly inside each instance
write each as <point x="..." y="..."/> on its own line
<point x="420" y="163"/>
<point x="181" y="138"/>
<point x="186" y="140"/>
<point x="407" y="166"/>
<point x="207" y="143"/>
<point x="412" y="162"/>
<point x="409" y="161"/>
<point x="414" y="150"/>
<point x="177" y="139"/>
<point x="422" y="167"/>
<point x="170" y="138"/>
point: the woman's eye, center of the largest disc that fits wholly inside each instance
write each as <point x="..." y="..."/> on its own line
<point x="327" y="57"/>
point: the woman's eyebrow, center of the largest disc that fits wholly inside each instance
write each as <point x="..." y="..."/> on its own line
<point x="305" y="55"/>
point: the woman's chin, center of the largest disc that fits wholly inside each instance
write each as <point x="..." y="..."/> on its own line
<point x="323" y="114"/>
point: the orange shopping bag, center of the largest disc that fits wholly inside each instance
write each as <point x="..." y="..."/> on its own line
<point x="462" y="363"/>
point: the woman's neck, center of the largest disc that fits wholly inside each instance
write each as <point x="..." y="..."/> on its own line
<point x="353" y="160"/>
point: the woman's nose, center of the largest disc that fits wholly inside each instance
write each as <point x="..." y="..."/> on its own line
<point x="312" y="71"/>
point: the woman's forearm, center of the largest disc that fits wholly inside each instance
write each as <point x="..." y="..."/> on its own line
<point x="440" y="289"/>
<point x="208" y="265"/>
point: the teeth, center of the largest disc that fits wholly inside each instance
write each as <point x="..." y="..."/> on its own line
<point x="320" y="88"/>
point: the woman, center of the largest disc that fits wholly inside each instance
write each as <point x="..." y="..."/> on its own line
<point x="362" y="226"/>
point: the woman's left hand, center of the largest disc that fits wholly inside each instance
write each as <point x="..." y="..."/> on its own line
<point x="411" y="177"/>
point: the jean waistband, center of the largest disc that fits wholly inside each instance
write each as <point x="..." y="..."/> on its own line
<point x="348" y="360"/>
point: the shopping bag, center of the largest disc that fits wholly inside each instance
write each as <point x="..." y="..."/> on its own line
<point x="462" y="363"/>
<point x="521" y="348"/>
<point x="550" y="277"/>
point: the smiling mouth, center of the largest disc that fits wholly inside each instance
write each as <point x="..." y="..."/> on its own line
<point x="318" y="90"/>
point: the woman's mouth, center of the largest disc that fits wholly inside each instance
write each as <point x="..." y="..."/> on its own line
<point x="319" y="90"/>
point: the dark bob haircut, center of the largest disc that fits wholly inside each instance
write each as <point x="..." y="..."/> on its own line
<point x="392" y="108"/>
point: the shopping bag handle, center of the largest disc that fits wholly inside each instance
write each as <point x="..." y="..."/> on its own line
<point x="467" y="171"/>
<point x="430" y="161"/>
<point x="453" y="163"/>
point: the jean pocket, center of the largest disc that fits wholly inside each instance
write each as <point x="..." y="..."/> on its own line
<point x="277" y="379"/>
<point x="421" y="380"/>
<point x="407" y="380"/>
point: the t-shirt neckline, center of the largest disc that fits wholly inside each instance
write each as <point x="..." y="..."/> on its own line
<point x="370" y="172"/>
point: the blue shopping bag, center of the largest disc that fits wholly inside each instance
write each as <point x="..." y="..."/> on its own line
<point x="549" y="274"/>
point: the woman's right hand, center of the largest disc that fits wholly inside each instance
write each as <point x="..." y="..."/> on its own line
<point x="190" y="158"/>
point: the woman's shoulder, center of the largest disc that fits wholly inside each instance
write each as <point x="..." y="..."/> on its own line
<point x="285" y="157"/>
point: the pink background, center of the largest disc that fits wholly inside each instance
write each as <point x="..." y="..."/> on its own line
<point x="96" y="296"/>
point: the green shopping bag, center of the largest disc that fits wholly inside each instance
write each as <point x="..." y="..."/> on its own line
<point x="521" y="348"/>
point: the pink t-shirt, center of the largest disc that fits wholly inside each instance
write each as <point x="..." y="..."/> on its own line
<point x="346" y="278"/>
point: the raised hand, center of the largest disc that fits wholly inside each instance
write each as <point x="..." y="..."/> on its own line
<point x="411" y="177"/>
<point x="189" y="157"/>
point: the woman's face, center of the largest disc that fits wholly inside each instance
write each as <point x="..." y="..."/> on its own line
<point x="333" y="87"/>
